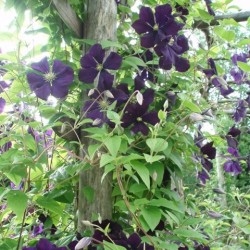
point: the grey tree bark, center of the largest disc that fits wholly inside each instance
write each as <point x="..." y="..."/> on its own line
<point x="100" y="24"/>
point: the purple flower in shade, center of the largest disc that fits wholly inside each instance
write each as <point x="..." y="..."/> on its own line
<point x="3" y="85"/>
<point x="134" y="242"/>
<point x="2" y="104"/>
<point x="209" y="150"/>
<point x="218" y="81"/>
<point x="37" y="229"/>
<point x="233" y="167"/>
<point x="154" y="28"/>
<point x="137" y="115"/>
<point x="203" y="176"/>
<point x="44" y="244"/>
<point x="209" y="8"/>
<point x="234" y="132"/>
<point x="115" y="233"/>
<point x="221" y="84"/>
<point x="241" y="110"/>
<point x="46" y="79"/>
<point x="170" y="51"/>
<point x="233" y="151"/>
<point x="238" y="75"/>
<point x="94" y="65"/>
<point x="182" y="11"/>
<point x="241" y="57"/>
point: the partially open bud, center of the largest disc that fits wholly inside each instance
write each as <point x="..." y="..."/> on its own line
<point x="195" y="117"/>
<point x="83" y="243"/>
<point x="218" y="191"/>
<point x="108" y="94"/>
<point x="96" y="122"/>
<point x="214" y="214"/>
<point x="91" y="92"/>
<point x="139" y="97"/>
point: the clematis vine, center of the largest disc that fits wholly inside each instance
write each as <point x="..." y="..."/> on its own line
<point x="95" y="65"/>
<point x="46" y="80"/>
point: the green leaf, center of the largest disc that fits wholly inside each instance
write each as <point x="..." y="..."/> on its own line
<point x="114" y="117"/>
<point x="49" y="204"/>
<point x="89" y="193"/>
<point x="205" y="15"/>
<point x="157" y="144"/>
<point x="244" y="66"/>
<point x="162" y="202"/>
<point x="92" y="150"/>
<point x="17" y="202"/>
<point x="107" y="44"/>
<point x="192" y="106"/>
<point x="30" y="142"/>
<point x="113" y="144"/>
<point x="153" y="158"/>
<point x="105" y="159"/>
<point x="188" y="233"/>
<point x="152" y="216"/>
<point x="108" y="246"/>
<point x="134" y="62"/>
<point x="142" y="171"/>
<point x="227" y="35"/>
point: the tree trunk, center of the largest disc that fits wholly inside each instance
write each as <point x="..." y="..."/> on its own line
<point x="100" y="24"/>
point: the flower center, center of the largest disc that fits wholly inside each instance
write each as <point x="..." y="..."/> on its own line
<point x="104" y="104"/>
<point x="139" y="119"/>
<point x="171" y="41"/>
<point x="49" y="77"/>
<point x="155" y="27"/>
<point x="99" y="67"/>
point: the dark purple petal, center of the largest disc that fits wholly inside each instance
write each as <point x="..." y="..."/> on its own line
<point x="182" y="41"/>
<point x="148" y="40"/>
<point x="2" y="104"/>
<point x="41" y="66"/>
<point x="97" y="52"/>
<point x="234" y="132"/>
<point x="88" y="75"/>
<point x="113" y="61"/>
<point x="165" y="63"/>
<point x="139" y="82"/>
<point x="209" y="8"/>
<point x="208" y="72"/>
<point x="173" y="27"/>
<point x="43" y="92"/>
<point x="203" y="176"/>
<point x="208" y="165"/>
<point x="241" y="110"/>
<point x="237" y="74"/>
<point x="232" y="167"/>
<point x="242" y="57"/>
<point x="162" y="13"/>
<point x="44" y="244"/>
<point x="212" y="65"/>
<point x="140" y="127"/>
<point x="181" y="64"/>
<point x="231" y="142"/>
<point x="35" y="81"/>
<point x="141" y="27"/>
<point x="151" y="117"/>
<point x="134" y="240"/>
<point x="88" y="61"/>
<point x="105" y="81"/>
<point x="3" y="85"/>
<point x="209" y="150"/>
<point x="233" y="151"/>
<point x="72" y="245"/>
<point x="37" y="229"/>
<point x="146" y="15"/>
<point x="148" y="97"/>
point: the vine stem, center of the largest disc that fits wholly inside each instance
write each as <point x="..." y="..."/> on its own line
<point x="128" y="205"/>
<point x="21" y="231"/>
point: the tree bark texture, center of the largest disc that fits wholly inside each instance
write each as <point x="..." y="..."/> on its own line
<point x="100" y="24"/>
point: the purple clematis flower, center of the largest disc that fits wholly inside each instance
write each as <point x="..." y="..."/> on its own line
<point x="2" y="104"/>
<point x="170" y="51"/>
<point x="233" y="167"/>
<point x="154" y="28"/>
<point x="44" y="244"/>
<point x="209" y="150"/>
<point x="137" y="116"/>
<point x="241" y="110"/>
<point x="94" y="65"/>
<point x="135" y="243"/>
<point x="50" y="80"/>
<point x="218" y="81"/>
